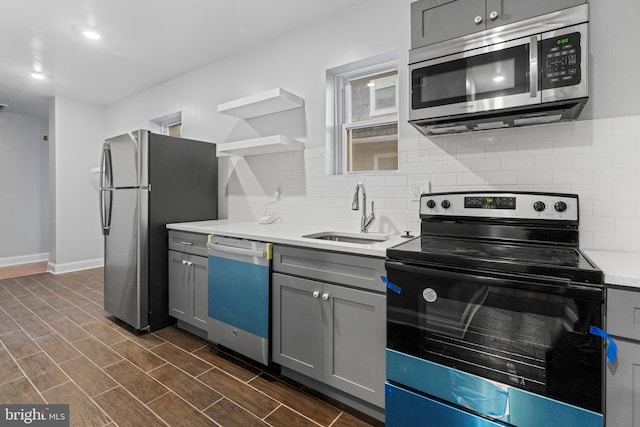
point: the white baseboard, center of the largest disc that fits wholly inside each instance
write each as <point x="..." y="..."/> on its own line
<point x="74" y="266"/>
<point x="24" y="259"/>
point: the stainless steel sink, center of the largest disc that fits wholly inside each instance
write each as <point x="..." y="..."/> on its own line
<point x="336" y="236"/>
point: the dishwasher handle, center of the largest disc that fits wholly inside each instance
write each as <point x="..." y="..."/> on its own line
<point x="254" y="253"/>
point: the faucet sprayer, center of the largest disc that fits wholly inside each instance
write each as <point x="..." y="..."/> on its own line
<point x="366" y="221"/>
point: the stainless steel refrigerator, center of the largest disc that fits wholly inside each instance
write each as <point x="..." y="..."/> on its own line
<point x="147" y="181"/>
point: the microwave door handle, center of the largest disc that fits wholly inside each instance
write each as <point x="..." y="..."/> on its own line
<point x="533" y="66"/>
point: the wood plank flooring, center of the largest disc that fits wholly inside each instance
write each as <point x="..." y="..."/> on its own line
<point x="57" y="345"/>
<point x="23" y="269"/>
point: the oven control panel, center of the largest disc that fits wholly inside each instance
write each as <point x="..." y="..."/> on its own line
<point x="519" y="205"/>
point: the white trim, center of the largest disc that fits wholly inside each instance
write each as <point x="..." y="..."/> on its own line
<point x="334" y="96"/>
<point x="24" y="259"/>
<point x="74" y="266"/>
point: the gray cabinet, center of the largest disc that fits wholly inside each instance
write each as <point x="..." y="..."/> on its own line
<point x="623" y="376"/>
<point x="188" y="278"/>
<point x="331" y="324"/>
<point x="434" y="21"/>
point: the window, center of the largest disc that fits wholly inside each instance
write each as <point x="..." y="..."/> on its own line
<point x="171" y="124"/>
<point x="364" y="117"/>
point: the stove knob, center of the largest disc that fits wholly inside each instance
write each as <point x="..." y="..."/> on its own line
<point x="445" y="204"/>
<point x="560" y="206"/>
<point x="539" y="206"/>
<point x="431" y="204"/>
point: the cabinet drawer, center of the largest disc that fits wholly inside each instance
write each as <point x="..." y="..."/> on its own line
<point x="191" y="243"/>
<point x="351" y="270"/>
<point x="623" y="313"/>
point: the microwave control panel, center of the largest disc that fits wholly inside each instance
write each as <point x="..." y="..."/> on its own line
<point x="561" y="59"/>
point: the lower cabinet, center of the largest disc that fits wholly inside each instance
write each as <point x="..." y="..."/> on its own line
<point x="331" y="333"/>
<point x="623" y="376"/>
<point x="623" y="386"/>
<point x="188" y="288"/>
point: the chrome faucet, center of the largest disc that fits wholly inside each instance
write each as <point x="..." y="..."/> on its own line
<point x="366" y="221"/>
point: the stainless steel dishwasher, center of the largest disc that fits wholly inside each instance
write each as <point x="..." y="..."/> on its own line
<point x="239" y="295"/>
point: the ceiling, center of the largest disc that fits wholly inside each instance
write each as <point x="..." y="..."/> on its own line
<point x="143" y="43"/>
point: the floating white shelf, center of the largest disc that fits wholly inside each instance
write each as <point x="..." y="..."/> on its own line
<point x="269" y="102"/>
<point x="265" y="145"/>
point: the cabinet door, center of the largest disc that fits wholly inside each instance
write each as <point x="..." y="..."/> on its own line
<point x="433" y="21"/>
<point x="297" y="324"/>
<point x="355" y="340"/>
<point x="623" y="387"/>
<point x="199" y="292"/>
<point x="179" y="275"/>
<point x="501" y="12"/>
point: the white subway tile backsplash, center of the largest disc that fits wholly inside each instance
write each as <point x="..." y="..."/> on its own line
<point x="472" y="178"/>
<point x="487" y="164"/>
<point x="456" y="166"/>
<point x="517" y="163"/>
<point x="597" y="159"/>
<point x="502" y="178"/>
<point x="626" y="125"/>
<point x="535" y="177"/>
<point x="615" y="176"/>
<point x="592" y="160"/>
<point x="573" y="176"/>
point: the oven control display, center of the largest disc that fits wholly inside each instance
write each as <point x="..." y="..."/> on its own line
<point x="487" y="202"/>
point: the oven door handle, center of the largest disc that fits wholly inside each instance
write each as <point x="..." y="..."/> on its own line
<point x="544" y="284"/>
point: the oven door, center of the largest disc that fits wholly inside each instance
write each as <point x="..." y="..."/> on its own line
<point x="495" y="77"/>
<point x="526" y="333"/>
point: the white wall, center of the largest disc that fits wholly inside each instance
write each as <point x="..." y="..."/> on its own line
<point x="76" y="133"/>
<point x="24" y="225"/>
<point x="597" y="157"/>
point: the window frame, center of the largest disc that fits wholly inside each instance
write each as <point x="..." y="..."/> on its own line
<point x="338" y="115"/>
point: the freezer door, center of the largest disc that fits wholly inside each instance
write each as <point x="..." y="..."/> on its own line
<point x="126" y="281"/>
<point x="128" y="159"/>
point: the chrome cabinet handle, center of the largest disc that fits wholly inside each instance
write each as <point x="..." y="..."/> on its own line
<point x="477" y="20"/>
<point x="186" y="243"/>
<point x="184" y="262"/>
<point x="316" y="294"/>
<point x="325" y="297"/>
<point x="189" y="263"/>
<point x="493" y="15"/>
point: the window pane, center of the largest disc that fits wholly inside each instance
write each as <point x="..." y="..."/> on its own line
<point x="373" y="96"/>
<point x="372" y="148"/>
<point x="175" y="130"/>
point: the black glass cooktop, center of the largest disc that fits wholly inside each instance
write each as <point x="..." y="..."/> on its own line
<point x="538" y="259"/>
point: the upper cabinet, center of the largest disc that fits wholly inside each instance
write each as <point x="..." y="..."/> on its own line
<point x="434" y="21"/>
<point x="261" y="104"/>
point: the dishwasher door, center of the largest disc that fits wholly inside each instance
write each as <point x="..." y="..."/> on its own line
<point x="239" y="295"/>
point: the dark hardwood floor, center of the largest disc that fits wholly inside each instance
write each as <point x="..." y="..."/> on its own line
<point x="57" y="345"/>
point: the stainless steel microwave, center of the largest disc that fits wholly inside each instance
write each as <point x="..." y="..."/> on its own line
<point x="529" y="72"/>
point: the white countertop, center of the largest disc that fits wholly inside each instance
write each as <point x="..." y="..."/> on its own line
<point x="620" y="268"/>
<point x="288" y="234"/>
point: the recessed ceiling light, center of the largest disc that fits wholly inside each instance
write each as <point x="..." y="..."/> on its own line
<point x="91" y="35"/>
<point x="37" y="76"/>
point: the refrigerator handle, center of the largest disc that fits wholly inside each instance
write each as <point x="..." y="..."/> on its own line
<point x="106" y="194"/>
<point x="106" y="198"/>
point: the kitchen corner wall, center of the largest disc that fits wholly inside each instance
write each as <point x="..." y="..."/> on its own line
<point x="597" y="157"/>
<point x="24" y="211"/>
<point x="76" y="131"/>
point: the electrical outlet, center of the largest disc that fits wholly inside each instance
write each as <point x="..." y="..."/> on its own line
<point x="416" y="189"/>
